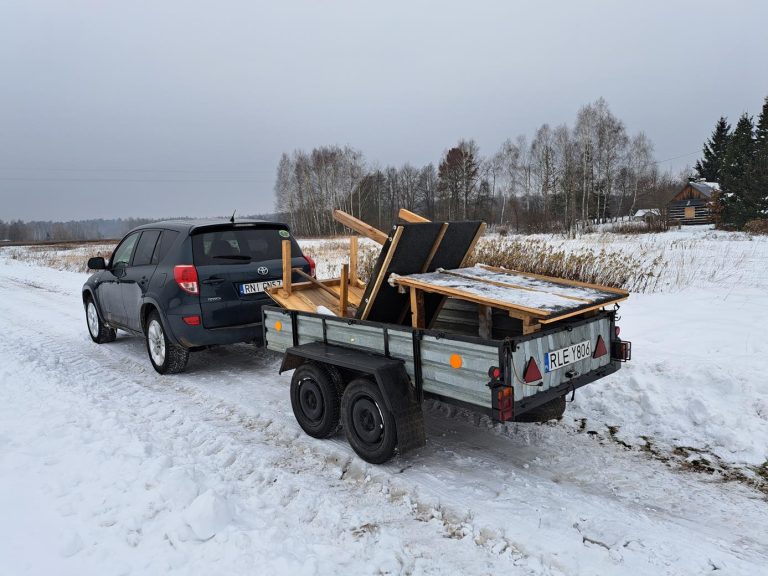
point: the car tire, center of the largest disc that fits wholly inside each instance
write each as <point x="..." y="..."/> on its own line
<point x="552" y="410"/>
<point x="100" y="332"/>
<point x="166" y="357"/>
<point x="316" y="400"/>
<point x="368" y="423"/>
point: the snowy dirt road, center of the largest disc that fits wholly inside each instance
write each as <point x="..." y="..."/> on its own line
<point x="108" y="468"/>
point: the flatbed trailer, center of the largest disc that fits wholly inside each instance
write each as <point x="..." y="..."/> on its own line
<point x="505" y="343"/>
<point x="371" y="377"/>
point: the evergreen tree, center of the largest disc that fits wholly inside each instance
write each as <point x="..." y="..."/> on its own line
<point x="710" y="166"/>
<point x="760" y="168"/>
<point x="738" y="199"/>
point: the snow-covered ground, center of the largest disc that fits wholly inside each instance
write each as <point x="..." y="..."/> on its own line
<point x="108" y="468"/>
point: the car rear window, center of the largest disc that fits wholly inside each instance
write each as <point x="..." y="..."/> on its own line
<point x="240" y="246"/>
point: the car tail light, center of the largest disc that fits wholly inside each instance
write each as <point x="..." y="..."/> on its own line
<point x="311" y="265"/>
<point x="532" y="372"/>
<point x="191" y="320"/>
<point x="600" y="349"/>
<point x="186" y="277"/>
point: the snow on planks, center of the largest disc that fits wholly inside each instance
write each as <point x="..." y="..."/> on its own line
<point x="531" y="297"/>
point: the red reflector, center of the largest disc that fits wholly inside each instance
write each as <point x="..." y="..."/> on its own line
<point x="311" y="265"/>
<point x="186" y="277"/>
<point x="600" y="349"/>
<point x="532" y="372"/>
<point x="616" y="331"/>
<point x="494" y="372"/>
<point x="191" y="320"/>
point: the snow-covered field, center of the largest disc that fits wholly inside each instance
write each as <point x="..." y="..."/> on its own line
<point x="108" y="468"/>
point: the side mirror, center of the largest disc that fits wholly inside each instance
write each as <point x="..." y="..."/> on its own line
<point x="97" y="263"/>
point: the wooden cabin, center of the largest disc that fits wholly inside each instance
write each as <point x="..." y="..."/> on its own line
<point x="693" y="204"/>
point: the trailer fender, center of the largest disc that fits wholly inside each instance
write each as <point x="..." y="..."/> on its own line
<point x="388" y="373"/>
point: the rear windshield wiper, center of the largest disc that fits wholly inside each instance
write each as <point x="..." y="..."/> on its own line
<point x="233" y="257"/>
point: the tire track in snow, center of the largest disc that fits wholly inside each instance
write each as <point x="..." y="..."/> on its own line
<point x="541" y="502"/>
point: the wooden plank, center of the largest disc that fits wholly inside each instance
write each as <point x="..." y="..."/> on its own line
<point x="529" y="326"/>
<point x="408" y="216"/>
<point x="353" y="260"/>
<point x="435" y="246"/>
<point x="384" y="268"/>
<point x="359" y="226"/>
<point x="581" y="311"/>
<point x="485" y="318"/>
<point x="456" y="293"/>
<point x="468" y="255"/>
<point x="510" y="285"/>
<point x="287" y="267"/>
<point x="417" y="308"/>
<point x="555" y="280"/>
<point x="344" y="290"/>
<point x="315" y="282"/>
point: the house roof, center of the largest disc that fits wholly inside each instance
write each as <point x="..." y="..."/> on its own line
<point x="706" y="188"/>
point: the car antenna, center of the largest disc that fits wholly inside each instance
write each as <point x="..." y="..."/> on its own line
<point x="232" y="220"/>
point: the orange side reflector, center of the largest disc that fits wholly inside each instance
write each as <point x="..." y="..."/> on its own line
<point x="456" y="361"/>
<point x="600" y="349"/>
<point x="278" y="325"/>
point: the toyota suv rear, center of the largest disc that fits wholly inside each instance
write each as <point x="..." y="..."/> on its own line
<point x="187" y="285"/>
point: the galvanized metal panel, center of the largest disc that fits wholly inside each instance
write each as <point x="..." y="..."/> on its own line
<point x="538" y="347"/>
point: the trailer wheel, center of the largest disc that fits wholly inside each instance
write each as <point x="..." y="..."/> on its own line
<point x="315" y="399"/>
<point x="552" y="410"/>
<point x="368" y="423"/>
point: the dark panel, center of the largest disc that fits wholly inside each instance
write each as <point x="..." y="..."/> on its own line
<point x="409" y="257"/>
<point x="456" y="242"/>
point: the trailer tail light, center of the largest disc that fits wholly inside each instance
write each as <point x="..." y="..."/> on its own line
<point x="191" y="320"/>
<point x="311" y="265"/>
<point x="532" y="372"/>
<point x="494" y="373"/>
<point x="503" y="403"/>
<point x="621" y="350"/>
<point x="186" y="277"/>
<point x="600" y="349"/>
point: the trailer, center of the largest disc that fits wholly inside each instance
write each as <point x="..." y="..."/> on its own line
<point x="508" y="344"/>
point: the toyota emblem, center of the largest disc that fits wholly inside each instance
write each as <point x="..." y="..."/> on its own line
<point x="263" y="270"/>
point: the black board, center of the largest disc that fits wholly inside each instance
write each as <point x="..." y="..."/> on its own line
<point x="450" y="254"/>
<point x="409" y="254"/>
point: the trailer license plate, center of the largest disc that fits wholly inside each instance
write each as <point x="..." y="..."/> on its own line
<point x="557" y="359"/>
<point x="256" y="287"/>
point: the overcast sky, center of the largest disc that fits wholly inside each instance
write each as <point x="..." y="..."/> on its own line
<point x="164" y="108"/>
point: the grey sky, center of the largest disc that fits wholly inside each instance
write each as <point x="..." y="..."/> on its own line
<point x="156" y="108"/>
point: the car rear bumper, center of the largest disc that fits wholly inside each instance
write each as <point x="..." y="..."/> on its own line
<point x="200" y="336"/>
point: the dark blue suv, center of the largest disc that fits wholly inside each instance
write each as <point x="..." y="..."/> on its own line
<point x="188" y="285"/>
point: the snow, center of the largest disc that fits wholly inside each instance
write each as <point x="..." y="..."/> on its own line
<point x="108" y="468"/>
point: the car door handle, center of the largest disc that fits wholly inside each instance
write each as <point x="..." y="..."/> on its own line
<point x="213" y="281"/>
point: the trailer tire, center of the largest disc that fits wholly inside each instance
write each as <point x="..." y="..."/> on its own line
<point x="316" y="399"/>
<point x="368" y="423"/>
<point x="552" y="410"/>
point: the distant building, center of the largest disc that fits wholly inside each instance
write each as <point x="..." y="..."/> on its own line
<point x="693" y="204"/>
<point x="647" y="214"/>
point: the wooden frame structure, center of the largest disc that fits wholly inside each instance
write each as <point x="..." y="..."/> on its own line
<point x="509" y="290"/>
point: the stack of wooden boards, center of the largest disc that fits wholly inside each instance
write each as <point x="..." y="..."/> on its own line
<point x="423" y="263"/>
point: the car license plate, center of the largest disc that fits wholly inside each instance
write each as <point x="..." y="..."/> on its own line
<point x="256" y="287"/>
<point x="557" y="359"/>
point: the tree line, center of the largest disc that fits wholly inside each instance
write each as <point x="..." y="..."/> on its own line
<point x="738" y="160"/>
<point x="44" y="231"/>
<point x="561" y="179"/>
